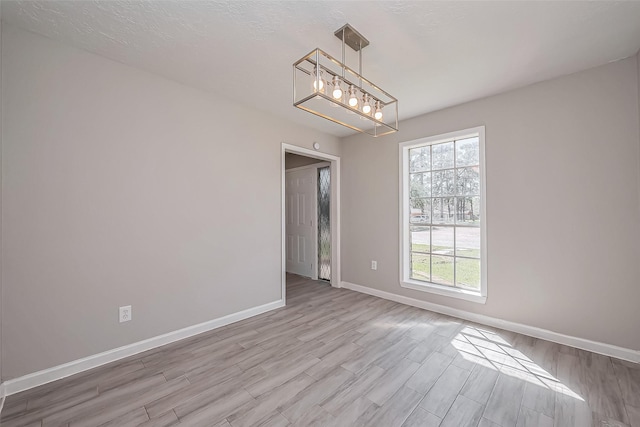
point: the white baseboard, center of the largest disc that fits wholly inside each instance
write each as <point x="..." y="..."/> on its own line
<point x="532" y="331"/>
<point x="2" y="396"/>
<point x="45" y="376"/>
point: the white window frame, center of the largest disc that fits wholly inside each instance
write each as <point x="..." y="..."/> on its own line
<point x="405" y="250"/>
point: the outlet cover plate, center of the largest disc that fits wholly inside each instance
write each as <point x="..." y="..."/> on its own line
<point x="125" y="313"/>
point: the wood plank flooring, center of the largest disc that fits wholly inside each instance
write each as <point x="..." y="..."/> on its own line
<point x="333" y="357"/>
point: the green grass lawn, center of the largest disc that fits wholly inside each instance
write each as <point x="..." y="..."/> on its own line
<point x="424" y="248"/>
<point x="440" y="270"/>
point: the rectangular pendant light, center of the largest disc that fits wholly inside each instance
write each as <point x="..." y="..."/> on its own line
<point x="326" y="87"/>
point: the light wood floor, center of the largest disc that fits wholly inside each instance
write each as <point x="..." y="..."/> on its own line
<point x="340" y="358"/>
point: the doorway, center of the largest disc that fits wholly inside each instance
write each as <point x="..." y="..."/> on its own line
<point x="310" y="215"/>
<point x="302" y="206"/>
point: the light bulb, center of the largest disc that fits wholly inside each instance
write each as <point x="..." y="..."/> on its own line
<point x="366" y="107"/>
<point x="353" y="99"/>
<point x="317" y="80"/>
<point x="337" y="91"/>
<point x="378" y="113"/>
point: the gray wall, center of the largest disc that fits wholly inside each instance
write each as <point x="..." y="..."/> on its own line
<point x="295" y="161"/>
<point x="563" y="216"/>
<point x="1" y="102"/>
<point x="122" y="187"/>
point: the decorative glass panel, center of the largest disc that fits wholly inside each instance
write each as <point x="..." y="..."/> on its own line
<point x="324" y="223"/>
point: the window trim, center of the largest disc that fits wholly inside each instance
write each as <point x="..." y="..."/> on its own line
<point x="405" y="252"/>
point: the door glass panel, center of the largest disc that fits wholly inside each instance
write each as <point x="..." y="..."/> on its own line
<point x="324" y="223"/>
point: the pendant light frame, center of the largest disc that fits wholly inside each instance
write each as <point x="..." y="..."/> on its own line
<point x="318" y="102"/>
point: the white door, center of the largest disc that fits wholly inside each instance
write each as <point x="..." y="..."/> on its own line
<point x="301" y="197"/>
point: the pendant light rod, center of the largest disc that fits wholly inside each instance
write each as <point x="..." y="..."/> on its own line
<point x="356" y="41"/>
<point x="360" y="63"/>
<point x="343" y="57"/>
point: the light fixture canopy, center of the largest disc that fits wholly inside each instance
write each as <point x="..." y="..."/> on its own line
<point x="365" y="107"/>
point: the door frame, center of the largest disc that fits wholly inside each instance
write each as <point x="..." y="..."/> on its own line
<point x="335" y="211"/>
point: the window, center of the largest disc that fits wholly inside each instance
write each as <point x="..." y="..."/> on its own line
<point x="443" y="236"/>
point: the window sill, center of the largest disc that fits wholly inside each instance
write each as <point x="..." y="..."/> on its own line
<point x="445" y="291"/>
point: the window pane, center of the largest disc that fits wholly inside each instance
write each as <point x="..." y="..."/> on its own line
<point x="467" y="152"/>
<point x="420" y="211"/>
<point x="468" y="210"/>
<point x="468" y="181"/>
<point x="443" y="183"/>
<point x="420" y="267"/>
<point x="442" y="270"/>
<point x="420" y="239"/>
<point x="420" y="184"/>
<point x="468" y="241"/>
<point x="468" y="273"/>
<point x="444" y="210"/>
<point x="420" y="159"/>
<point x="442" y="155"/>
<point x="442" y="240"/>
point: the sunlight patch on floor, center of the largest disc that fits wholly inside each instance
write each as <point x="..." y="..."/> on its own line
<point x="488" y="349"/>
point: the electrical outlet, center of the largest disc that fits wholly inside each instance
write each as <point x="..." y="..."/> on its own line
<point x="125" y="313"/>
<point x="374" y="265"/>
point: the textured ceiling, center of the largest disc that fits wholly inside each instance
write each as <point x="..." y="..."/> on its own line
<point x="429" y="55"/>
